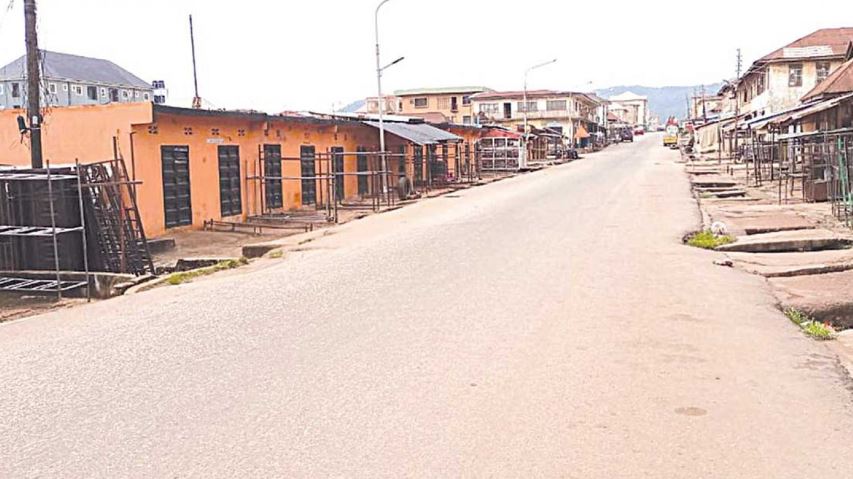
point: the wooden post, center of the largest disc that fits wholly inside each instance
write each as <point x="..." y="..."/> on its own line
<point x="33" y="83"/>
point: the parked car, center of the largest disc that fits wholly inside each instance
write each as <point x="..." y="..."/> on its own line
<point x="627" y="135"/>
<point x="639" y="131"/>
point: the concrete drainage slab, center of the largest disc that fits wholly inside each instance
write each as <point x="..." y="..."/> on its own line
<point x="789" y="241"/>
<point x="825" y="297"/>
<point x="778" y="265"/>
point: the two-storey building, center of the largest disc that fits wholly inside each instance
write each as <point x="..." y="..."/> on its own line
<point x="572" y="114"/>
<point x="777" y="81"/>
<point x="439" y="105"/>
<point x="71" y="80"/>
<point x="632" y="109"/>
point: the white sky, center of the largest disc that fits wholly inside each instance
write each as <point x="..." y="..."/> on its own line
<point x="310" y="54"/>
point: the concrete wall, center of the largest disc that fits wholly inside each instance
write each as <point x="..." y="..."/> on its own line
<point x="82" y="132"/>
<point x="204" y="134"/>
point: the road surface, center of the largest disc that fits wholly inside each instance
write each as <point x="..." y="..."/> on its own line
<point x="549" y="325"/>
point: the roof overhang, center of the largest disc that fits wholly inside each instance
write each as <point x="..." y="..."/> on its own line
<point x="417" y="133"/>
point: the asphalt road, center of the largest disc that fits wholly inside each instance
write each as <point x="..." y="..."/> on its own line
<point x="550" y="325"/>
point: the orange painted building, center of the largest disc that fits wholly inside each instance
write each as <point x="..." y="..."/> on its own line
<point x="198" y="165"/>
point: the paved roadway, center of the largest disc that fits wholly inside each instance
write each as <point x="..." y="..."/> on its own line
<point x="549" y="325"/>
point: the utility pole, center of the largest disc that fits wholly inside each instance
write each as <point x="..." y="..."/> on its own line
<point x="737" y="102"/>
<point x="33" y="82"/>
<point x="196" y="98"/>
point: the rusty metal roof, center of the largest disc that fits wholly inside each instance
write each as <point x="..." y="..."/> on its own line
<point x="826" y="42"/>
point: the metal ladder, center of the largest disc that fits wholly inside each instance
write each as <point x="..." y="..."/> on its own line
<point x="120" y="236"/>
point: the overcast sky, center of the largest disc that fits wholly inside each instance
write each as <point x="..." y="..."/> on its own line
<point x="279" y="55"/>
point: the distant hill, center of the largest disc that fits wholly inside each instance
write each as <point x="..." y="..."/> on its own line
<point x="663" y="101"/>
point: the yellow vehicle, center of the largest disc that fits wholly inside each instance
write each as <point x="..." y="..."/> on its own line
<point x="670" y="137"/>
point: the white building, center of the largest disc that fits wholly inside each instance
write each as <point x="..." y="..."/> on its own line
<point x="631" y="108"/>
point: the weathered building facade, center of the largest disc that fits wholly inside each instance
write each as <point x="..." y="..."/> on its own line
<point x="778" y="80"/>
<point x="571" y="114"/>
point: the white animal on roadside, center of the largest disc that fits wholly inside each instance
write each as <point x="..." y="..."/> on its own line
<point x="719" y="228"/>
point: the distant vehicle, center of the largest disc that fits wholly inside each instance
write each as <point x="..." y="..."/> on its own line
<point x="627" y="135"/>
<point x="670" y="137"/>
<point x="639" y="131"/>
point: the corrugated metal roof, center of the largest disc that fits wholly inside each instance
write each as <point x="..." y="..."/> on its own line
<point x="818" y="107"/>
<point x="820" y="43"/>
<point x="441" y="90"/>
<point x="418" y="133"/>
<point x="62" y="66"/>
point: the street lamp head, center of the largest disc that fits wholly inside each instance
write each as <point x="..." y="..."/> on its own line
<point x="393" y="63"/>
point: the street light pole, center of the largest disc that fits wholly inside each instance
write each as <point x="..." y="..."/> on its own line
<point x="523" y="163"/>
<point x="383" y="160"/>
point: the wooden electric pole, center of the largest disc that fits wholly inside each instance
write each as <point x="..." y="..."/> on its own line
<point x="33" y="82"/>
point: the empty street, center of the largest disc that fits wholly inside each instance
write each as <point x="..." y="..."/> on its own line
<point x="548" y="325"/>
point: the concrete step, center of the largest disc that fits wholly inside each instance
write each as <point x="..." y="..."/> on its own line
<point x="825" y="297"/>
<point x="789" y="241"/>
<point x="712" y="182"/>
<point x="728" y="193"/>
<point x="780" y="265"/>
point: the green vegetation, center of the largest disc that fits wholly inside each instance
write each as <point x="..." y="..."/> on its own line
<point x="813" y="328"/>
<point x="708" y="240"/>
<point x="796" y="316"/>
<point x="818" y="330"/>
<point x="184" y="276"/>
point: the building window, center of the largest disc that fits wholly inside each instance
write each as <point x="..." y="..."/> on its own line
<point x="92" y="92"/>
<point x="51" y="87"/>
<point x="795" y="75"/>
<point x="78" y="90"/>
<point x="466" y="120"/>
<point x="136" y="94"/>
<point x="421" y="102"/>
<point x="822" y="69"/>
<point x="65" y="87"/>
<point x="531" y="106"/>
<point x="1" y="88"/>
<point x="16" y="90"/>
<point x="124" y="94"/>
<point x="444" y="103"/>
<point x="555" y="105"/>
<point x="490" y="108"/>
<point x="145" y="96"/>
<point x="113" y="94"/>
<point x="760" y="83"/>
<point x="466" y="100"/>
<point x="103" y="92"/>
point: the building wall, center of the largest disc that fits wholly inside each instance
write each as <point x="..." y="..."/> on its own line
<point x="67" y="93"/>
<point x="86" y="132"/>
<point x="636" y="111"/>
<point x="209" y="132"/>
<point x="777" y="95"/>
<point x="440" y="103"/>
<point x="82" y="132"/>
